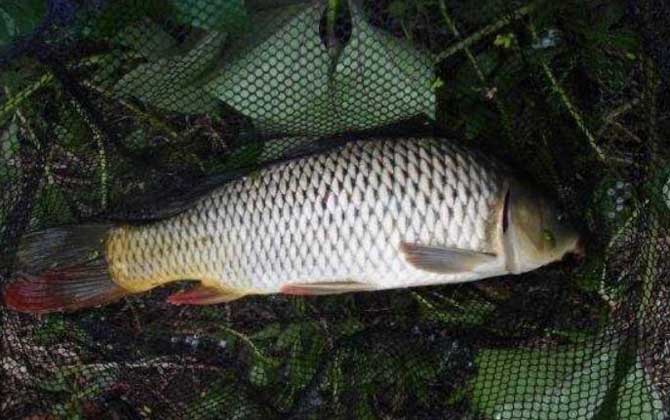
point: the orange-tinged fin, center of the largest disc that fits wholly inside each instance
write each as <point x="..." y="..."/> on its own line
<point x="62" y="269"/>
<point x="203" y="295"/>
<point x="444" y="260"/>
<point x="62" y="289"/>
<point x="325" y="288"/>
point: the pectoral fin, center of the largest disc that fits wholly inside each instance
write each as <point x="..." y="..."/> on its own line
<point x="203" y="295"/>
<point x="444" y="260"/>
<point x="325" y="288"/>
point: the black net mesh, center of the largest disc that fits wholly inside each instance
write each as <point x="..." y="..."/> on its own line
<point x="115" y="108"/>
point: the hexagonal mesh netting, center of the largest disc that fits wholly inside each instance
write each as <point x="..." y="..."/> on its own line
<point x="127" y="110"/>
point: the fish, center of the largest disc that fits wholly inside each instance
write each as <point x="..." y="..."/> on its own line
<point x="369" y="215"/>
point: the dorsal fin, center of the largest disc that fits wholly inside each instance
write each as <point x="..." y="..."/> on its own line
<point x="164" y="204"/>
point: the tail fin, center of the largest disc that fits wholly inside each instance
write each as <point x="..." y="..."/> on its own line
<point x="67" y="270"/>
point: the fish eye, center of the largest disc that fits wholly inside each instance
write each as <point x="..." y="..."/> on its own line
<point x="549" y="237"/>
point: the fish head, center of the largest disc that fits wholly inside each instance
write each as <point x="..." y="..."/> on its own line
<point x="535" y="233"/>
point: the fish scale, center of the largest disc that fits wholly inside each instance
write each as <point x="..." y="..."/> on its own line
<point x="336" y="216"/>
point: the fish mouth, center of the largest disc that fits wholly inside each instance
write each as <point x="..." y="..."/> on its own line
<point x="578" y="253"/>
<point x="580" y="248"/>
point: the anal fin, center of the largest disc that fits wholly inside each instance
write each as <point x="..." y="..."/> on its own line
<point x="204" y="295"/>
<point x="325" y="288"/>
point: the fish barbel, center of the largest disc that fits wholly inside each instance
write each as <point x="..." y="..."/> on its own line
<point x="370" y="215"/>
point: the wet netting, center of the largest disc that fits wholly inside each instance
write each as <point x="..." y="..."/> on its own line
<point x="115" y="109"/>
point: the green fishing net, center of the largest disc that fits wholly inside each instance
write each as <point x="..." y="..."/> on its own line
<point x="119" y="109"/>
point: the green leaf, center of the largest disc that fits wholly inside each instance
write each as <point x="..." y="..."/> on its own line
<point x="228" y="16"/>
<point x="637" y="398"/>
<point x="536" y="382"/>
<point x="290" y="82"/>
<point x="52" y="207"/>
<point x="625" y="39"/>
<point x="583" y="379"/>
<point x="261" y="373"/>
<point x="19" y="17"/>
<point x="271" y="330"/>
<point x="175" y="84"/>
<point x="504" y="40"/>
<point x="107" y="68"/>
<point x="289" y="336"/>
<point x="57" y="329"/>
<point x="305" y="355"/>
